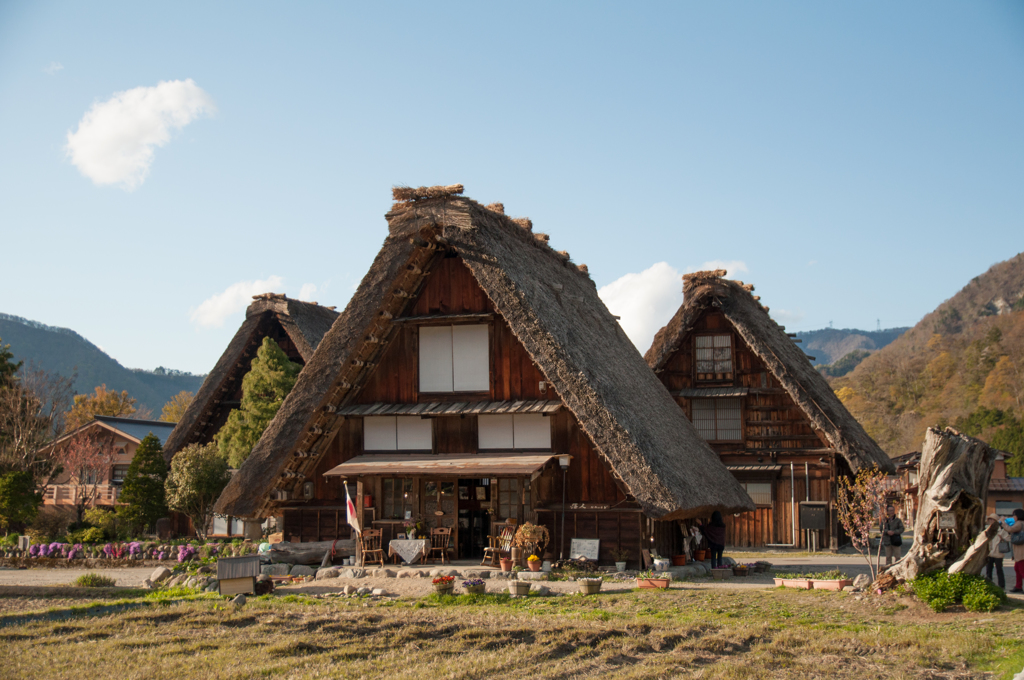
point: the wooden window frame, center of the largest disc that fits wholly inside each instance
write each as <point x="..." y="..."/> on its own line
<point x="460" y="394"/>
<point x="771" y="490"/>
<point x="728" y="377"/>
<point x="716" y="400"/>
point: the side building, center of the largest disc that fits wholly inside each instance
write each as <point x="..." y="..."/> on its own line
<point x="772" y="418"/>
<point x="476" y="377"/>
<point x="296" y="326"/>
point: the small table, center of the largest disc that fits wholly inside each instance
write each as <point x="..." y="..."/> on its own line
<point x="409" y="550"/>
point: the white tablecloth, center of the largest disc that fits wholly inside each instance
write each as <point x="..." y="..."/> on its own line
<point x="409" y="550"/>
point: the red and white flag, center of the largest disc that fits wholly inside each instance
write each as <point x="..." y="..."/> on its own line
<point x="353" y="518"/>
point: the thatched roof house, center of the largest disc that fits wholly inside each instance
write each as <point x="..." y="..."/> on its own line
<point x="808" y="389"/>
<point x="552" y="308"/>
<point x="295" y="325"/>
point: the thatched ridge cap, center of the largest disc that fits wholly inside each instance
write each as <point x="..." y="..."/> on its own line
<point x="408" y="194"/>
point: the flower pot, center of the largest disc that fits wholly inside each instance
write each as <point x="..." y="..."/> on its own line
<point x="476" y="590"/>
<point x="445" y="589"/>
<point x="798" y="583"/>
<point x="506" y="565"/>
<point x="700" y="555"/>
<point x="535" y="565"/>
<point x="590" y="587"/>
<point x="661" y="583"/>
<point x="620" y="566"/>
<point x="679" y="560"/>
<point x="740" y="571"/>
<point x="721" y="573"/>
<point x="838" y="584"/>
<point x="518" y="588"/>
<point x="661" y="564"/>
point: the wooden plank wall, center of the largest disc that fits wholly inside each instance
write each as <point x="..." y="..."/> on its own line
<point x="614" y="528"/>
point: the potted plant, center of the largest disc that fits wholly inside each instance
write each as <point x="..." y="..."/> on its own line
<point x="741" y="570"/>
<point x="679" y="560"/>
<point x="700" y="555"/>
<point x="830" y="580"/>
<point x="533" y="562"/>
<point x="590" y="586"/>
<point x="475" y="586"/>
<point x="506" y="563"/>
<point x="793" y="580"/>
<point x="620" y="555"/>
<point x="721" y="573"/>
<point x="517" y="588"/>
<point x="444" y="585"/>
<point x="761" y="566"/>
<point x="660" y="563"/>
<point x="646" y="579"/>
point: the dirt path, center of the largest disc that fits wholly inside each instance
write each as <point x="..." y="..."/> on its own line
<point x="126" y="577"/>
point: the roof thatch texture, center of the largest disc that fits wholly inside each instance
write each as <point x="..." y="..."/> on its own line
<point x="306" y="323"/>
<point x="786" y="361"/>
<point x="554" y="310"/>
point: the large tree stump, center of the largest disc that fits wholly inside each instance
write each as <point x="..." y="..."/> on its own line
<point x="310" y="553"/>
<point x="953" y="478"/>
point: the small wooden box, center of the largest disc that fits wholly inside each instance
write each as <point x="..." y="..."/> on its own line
<point x="236" y="586"/>
<point x="238" y="574"/>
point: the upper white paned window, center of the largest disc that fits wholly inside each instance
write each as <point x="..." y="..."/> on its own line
<point x="397" y="433"/>
<point x="514" y="431"/>
<point x="714" y="357"/>
<point x="455" y="358"/>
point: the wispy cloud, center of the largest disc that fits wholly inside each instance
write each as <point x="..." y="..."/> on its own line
<point x="116" y="139"/>
<point x="213" y="311"/>
<point x="733" y="267"/>
<point x="53" y="68"/>
<point x="307" y="291"/>
<point x="645" y="301"/>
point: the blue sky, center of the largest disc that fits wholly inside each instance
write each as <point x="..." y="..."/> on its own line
<point x="856" y="162"/>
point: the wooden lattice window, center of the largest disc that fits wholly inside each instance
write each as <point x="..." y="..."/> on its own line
<point x="759" y="492"/>
<point x="718" y="419"/>
<point x="713" y="354"/>
<point x="398" y="497"/>
<point x="508" y="497"/>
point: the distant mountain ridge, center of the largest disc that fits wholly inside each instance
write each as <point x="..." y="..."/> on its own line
<point x="829" y="345"/>
<point x="63" y="351"/>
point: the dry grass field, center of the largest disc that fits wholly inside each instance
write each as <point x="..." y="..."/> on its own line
<point x="686" y="633"/>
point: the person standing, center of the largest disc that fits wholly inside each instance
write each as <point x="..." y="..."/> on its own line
<point x="892" y="535"/>
<point x="1018" y="548"/>
<point x="998" y="546"/>
<point x="714" y="533"/>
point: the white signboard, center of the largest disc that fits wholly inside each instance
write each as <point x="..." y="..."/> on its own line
<point x="584" y="547"/>
<point x="947" y="520"/>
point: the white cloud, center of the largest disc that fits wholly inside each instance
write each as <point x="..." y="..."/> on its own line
<point x="217" y="308"/>
<point x="116" y="139"/>
<point x="733" y="267"/>
<point x="307" y="291"/>
<point x="645" y="301"/>
<point x="52" y="69"/>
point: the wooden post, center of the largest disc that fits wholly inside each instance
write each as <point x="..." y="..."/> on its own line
<point x="359" y="519"/>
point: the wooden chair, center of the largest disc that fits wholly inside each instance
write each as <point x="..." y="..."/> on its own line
<point x="440" y="540"/>
<point x="370" y="546"/>
<point x="500" y="545"/>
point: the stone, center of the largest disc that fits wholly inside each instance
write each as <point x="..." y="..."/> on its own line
<point x="476" y="574"/>
<point x="532" y="576"/>
<point x="274" y="569"/>
<point x="538" y="589"/>
<point x="363" y="591"/>
<point x="211" y="587"/>
<point x="238" y="600"/>
<point x="205" y="569"/>
<point x="861" y="581"/>
<point x="407" y="574"/>
<point x="321" y="574"/>
<point x="148" y="584"/>
<point x="160" y="574"/>
<point x="348" y="590"/>
<point x="849" y="589"/>
<point x="377" y="592"/>
<point x="301" y="570"/>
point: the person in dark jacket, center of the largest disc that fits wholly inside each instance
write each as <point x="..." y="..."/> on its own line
<point x="714" y="533"/>
<point x="892" y="535"/>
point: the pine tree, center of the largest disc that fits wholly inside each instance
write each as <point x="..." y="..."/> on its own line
<point x="264" y="388"/>
<point x="143" y="490"/>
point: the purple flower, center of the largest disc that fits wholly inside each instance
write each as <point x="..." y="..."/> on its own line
<point x="33" y="550"/>
<point x="185" y="553"/>
<point x="108" y="550"/>
<point x="162" y="555"/>
<point x="44" y="550"/>
<point x="134" y="548"/>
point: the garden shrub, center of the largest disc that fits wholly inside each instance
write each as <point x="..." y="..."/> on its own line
<point x="86" y="535"/>
<point x="941" y="589"/>
<point x="50" y="524"/>
<point x="94" y="580"/>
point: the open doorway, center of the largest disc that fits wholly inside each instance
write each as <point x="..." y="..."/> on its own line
<point x="474" y="520"/>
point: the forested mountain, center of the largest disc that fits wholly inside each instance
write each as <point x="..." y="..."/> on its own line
<point x="837" y="351"/>
<point x="961" y="365"/>
<point x="63" y="351"/>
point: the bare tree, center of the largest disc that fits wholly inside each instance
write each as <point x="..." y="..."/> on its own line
<point x="31" y="416"/>
<point x="86" y="459"/>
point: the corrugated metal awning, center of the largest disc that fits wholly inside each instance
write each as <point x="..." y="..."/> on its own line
<point x="753" y="468"/>
<point x="437" y="408"/>
<point x="443" y="465"/>
<point x="1008" y="484"/>
<point x="713" y="392"/>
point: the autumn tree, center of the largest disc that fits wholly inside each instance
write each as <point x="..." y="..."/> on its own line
<point x="142" y="492"/>
<point x="86" y="460"/>
<point x="102" y="402"/>
<point x="264" y="388"/>
<point x="174" y="409"/>
<point x="198" y="475"/>
<point x="860" y="504"/>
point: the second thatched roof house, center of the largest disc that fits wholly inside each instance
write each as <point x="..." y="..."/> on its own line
<point x="473" y="372"/>
<point x="755" y="398"/>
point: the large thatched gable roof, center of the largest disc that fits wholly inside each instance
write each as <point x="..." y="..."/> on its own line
<point x="552" y="307"/>
<point x="787" y="362"/>
<point x="305" y="324"/>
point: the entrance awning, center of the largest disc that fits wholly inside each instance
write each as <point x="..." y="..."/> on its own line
<point x="443" y="465"/>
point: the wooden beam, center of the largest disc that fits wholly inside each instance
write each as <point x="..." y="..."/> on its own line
<point x="439" y="318"/>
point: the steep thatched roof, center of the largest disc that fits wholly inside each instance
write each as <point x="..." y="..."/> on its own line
<point x="552" y="307"/>
<point x="304" y="323"/>
<point x="808" y="388"/>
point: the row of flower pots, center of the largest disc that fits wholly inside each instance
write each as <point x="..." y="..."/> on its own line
<point x="814" y="584"/>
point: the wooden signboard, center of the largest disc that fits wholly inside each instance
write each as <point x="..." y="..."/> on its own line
<point x="237" y="586"/>
<point x="584" y="547"/>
